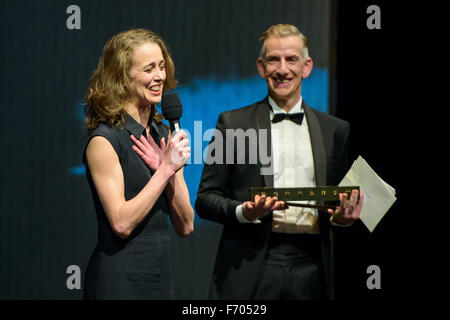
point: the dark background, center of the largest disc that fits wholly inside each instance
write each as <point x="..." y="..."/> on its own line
<point x="47" y="220"/>
<point x="387" y="90"/>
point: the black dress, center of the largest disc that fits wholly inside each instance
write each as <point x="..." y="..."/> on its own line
<point x="138" y="267"/>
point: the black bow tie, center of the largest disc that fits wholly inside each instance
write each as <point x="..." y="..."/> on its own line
<point x="295" y="117"/>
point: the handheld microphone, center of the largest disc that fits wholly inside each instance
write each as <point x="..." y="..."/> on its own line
<point x="172" y="110"/>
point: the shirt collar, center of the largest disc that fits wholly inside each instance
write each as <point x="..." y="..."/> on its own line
<point x="134" y="127"/>
<point x="298" y="108"/>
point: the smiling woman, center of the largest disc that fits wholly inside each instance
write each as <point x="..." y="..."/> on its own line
<point x="134" y="181"/>
<point x="110" y="86"/>
<point x="147" y="74"/>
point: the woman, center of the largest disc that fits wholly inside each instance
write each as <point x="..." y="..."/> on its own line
<point x="135" y="174"/>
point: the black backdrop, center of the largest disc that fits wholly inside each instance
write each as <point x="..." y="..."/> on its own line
<point x="47" y="220"/>
<point x="388" y="93"/>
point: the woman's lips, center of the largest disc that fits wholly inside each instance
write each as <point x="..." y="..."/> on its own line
<point x="155" y="89"/>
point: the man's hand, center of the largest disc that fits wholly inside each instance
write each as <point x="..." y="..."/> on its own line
<point x="349" y="211"/>
<point x="261" y="206"/>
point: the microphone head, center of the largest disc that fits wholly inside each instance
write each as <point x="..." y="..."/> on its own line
<point x="171" y="106"/>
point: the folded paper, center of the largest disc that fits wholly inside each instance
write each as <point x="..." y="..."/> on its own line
<point x="378" y="195"/>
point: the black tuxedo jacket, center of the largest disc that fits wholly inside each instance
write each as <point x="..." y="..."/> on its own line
<point x="224" y="186"/>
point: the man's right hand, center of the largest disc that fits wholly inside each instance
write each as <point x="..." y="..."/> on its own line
<point x="262" y="205"/>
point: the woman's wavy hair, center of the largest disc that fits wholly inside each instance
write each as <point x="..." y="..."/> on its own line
<point x="109" y="85"/>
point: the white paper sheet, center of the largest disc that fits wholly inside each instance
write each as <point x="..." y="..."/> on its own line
<point x="378" y="195"/>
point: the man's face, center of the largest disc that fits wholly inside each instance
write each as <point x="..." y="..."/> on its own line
<point x="284" y="67"/>
<point x="147" y="74"/>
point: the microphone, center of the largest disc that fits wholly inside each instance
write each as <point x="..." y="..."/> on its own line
<point x="172" y="110"/>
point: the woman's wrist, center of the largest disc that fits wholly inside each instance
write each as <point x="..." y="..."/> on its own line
<point x="166" y="171"/>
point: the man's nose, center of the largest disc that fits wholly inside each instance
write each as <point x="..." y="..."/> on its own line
<point x="282" y="69"/>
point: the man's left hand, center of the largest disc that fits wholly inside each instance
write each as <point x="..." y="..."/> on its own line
<point x="348" y="211"/>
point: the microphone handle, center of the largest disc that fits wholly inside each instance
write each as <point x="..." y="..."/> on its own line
<point x="174" y="126"/>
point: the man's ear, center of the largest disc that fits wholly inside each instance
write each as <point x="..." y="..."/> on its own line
<point x="307" y="68"/>
<point x="260" y="67"/>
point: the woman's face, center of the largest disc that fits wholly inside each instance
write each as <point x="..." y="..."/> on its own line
<point x="148" y="73"/>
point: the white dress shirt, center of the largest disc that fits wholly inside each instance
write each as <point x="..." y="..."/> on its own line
<point x="293" y="167"/>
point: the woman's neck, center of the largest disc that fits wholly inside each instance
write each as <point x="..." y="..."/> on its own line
<point x="140" y="114"/>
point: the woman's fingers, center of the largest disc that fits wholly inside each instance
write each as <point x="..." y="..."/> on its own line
<point x="151" y="143"/>
<point x="137" y="142"/>
<point x="141" y="154"/>
<point x="180" y="135"/>
<point x="162" y="143"/>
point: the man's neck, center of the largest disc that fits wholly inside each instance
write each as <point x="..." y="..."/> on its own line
<point x="286" y="104"/>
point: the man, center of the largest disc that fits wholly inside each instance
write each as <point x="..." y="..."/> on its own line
<point x="267" y="250"/>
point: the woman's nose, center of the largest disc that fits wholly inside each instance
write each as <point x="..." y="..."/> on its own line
<point x="160" y="75"/>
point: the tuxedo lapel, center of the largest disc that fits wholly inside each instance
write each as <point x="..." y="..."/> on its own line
<point x="318" y="148"/>
<point x="263" y="122"/>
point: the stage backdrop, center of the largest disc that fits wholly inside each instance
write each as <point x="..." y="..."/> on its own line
<point x="47" y="219"/>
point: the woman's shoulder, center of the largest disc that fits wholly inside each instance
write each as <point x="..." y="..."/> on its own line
<point x="113" y="134"/>
<point x="104" y="128"/>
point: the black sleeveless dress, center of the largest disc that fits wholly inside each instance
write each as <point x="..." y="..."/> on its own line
<point x="138" y="267"/>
